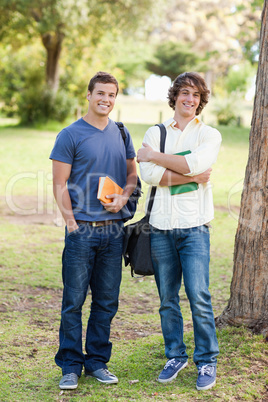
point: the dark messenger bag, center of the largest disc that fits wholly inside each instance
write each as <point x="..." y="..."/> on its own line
<point x="137" y="246"/>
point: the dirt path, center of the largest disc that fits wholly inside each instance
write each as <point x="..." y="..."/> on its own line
<point x="29" y="210"/>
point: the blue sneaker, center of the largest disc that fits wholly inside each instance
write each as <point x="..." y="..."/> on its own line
<point x="103" y="375"/>
<point x="171" y="370"/>
<point x="69" y="381"/>
<point x="206" y="377"/>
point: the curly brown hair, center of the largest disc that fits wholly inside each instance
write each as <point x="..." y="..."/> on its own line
<point x="104" y="78"/>
<point x="189" y="80"/>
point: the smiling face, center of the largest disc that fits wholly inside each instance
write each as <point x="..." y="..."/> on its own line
<point x="102" y="99"/>
<point x="187" y="102"/>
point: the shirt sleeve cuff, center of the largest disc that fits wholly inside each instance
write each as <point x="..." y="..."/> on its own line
<point x="158" y="174"/>
<point x="190" y="165"/>
<point x="151" y="174"/>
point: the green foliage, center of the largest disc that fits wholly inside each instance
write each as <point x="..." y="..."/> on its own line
<point x="74" y="28"/>
<point x="17" y="74"/>
<point x="41" y="104"/>
<point x="130" y="57"/>
<point x="225" y="113"/>
<point x="239" y="78"/>
<point x="73" y="20"/>
<point x="88" y="46"/>
<point x="248" y="36"/>
<point x="173" y="58"/>
<point x="230" y="89"/>
<point x="236" y="81"/>
<point x="23" y="89"/>
<point x="121" y="56"/>
<point x="64" y="21"/>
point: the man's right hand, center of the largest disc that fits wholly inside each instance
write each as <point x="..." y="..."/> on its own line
<point x="72" y="226"/>
<point x="202" y="177"/>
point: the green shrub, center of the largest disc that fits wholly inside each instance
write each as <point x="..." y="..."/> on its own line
<point x="41" y="104"/>
<point x="225" y="114"/>
<point x="63" y="106"/>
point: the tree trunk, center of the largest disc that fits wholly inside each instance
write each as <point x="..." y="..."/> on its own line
<point x="248" y="304"/>
<point x="52" y="43"/>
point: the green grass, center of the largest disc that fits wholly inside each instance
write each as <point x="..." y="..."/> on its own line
<point x="228" y="172"/>
<point x="30" y="295"/>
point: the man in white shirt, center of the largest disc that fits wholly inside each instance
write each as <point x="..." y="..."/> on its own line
<point x="180" y="225"/>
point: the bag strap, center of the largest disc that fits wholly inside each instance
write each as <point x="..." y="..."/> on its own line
<point x="120" y="125"/>
<point x="163" y="135"/>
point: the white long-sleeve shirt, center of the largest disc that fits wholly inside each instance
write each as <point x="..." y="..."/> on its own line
<point x="190" y="209"/>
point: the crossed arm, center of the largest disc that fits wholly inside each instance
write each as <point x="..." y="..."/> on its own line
<point x="176" y="167"/>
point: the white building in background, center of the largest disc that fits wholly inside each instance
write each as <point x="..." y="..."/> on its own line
<point x="156" y="87"/>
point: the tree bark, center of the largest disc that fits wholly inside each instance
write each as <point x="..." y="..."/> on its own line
<point x="53" y="45"/>
<point x="248" y="303"/>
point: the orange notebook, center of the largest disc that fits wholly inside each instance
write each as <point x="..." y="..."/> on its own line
<point x="107" y="187"/>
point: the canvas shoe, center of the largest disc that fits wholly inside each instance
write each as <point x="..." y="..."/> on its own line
<point x="69" y="381"/>
<point x="206" y="377"/>
<point x="103" y="375"/>
<point x="171" y="370"/>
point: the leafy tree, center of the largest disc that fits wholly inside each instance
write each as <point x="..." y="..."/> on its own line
<point x="23" y="89"/>
<point x="173" y="58"/>
<point x="248" y="15"/>
<point x="17" y="74"/>
<point x="219" y="31"/>
<point x="60" y="21"/>
<point x="130" y="57"/>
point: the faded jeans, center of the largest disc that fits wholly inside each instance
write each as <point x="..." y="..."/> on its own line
<point x="92" y="257"/>
<point x="177" y="253"/>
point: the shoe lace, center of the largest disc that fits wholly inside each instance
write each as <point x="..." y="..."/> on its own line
<point x="107" y="372"/>
<point x="169" y="363"/>
<point x="70" y="377"/>
<point x="205" y="370"/>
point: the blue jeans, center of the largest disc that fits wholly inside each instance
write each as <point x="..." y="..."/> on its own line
<point x="92" y="258"/>
<point x="185" y="252"/>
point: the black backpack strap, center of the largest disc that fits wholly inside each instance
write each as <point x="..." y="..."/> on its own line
<point x="122" y="130"/>
<point x="163" y="135"/>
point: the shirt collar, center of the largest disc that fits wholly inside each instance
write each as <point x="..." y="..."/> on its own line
<point x="171" y="122"/>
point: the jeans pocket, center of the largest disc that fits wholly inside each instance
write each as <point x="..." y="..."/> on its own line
<point x="203" y="228"/>
<point x="73" y="232"/>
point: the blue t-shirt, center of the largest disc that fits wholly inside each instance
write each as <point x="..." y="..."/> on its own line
<point x="93" y="153"/>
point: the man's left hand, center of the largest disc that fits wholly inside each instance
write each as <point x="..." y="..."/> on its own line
<point x="145" y="154"/>
<point x="117" y="204"/>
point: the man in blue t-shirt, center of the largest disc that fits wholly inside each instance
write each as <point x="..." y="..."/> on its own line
<point x="90" y="148"/>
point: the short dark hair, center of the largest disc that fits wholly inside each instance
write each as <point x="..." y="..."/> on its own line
<point x="104" y="78"/>
<point x="189" y="80"/>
